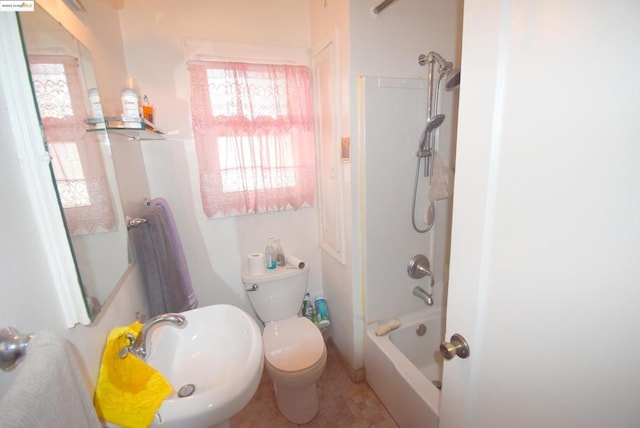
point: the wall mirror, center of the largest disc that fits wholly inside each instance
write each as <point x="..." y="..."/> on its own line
<point x="67" y="97"/>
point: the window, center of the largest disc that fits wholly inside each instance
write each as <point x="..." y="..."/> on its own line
<point x="253" y="127"/>
<point x="76" y="156"/>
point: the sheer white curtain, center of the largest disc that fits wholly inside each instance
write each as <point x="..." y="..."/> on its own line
<point x="253" y="127"/>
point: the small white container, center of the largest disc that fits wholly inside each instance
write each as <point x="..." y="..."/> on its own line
<point x="96" y="105"/>
<point x="130" y="103"/>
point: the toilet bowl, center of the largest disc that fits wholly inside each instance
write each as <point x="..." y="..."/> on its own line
<point x="294" y="350"/>
<point x="295" y="356"/>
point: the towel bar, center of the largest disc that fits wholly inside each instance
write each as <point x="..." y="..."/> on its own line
<point x="382" y="6"/>
<point x="13" y="347"/>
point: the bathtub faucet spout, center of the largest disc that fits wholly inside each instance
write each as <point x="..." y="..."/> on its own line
<point x="421" y="293"/>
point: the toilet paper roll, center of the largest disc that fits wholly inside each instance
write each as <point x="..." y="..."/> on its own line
<point x="255" y="263"/>
<point x="294" y="261"/>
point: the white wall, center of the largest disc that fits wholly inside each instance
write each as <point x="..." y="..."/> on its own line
<point x="157" y="35"/>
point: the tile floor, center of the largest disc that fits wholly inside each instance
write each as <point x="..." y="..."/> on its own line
<point x="342" y="403"/>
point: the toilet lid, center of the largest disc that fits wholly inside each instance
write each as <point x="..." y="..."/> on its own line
<point x="292" y="344"/>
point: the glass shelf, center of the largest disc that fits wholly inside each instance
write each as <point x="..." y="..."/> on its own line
<point x="133" y="128"/>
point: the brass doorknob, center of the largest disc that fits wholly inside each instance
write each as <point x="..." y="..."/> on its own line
<point x="458" y="346"/>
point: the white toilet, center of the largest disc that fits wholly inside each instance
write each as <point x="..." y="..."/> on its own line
<point x="294" y="350"/>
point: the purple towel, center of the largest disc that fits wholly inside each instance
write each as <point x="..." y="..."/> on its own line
<point x="162" y="262"/>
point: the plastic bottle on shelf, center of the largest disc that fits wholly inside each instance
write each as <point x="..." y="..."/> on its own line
<point x="130" y="108"/>
<point x="96" y="105"/>
<point x="147" y="112"/>
<point x="130" y="97"/>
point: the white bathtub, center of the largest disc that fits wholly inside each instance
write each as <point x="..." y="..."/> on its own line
<point x="402" y="366"/>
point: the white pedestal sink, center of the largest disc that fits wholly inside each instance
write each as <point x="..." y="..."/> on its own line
<point x="215" y="359"/>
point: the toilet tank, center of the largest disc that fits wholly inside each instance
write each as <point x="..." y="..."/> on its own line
<point x="277" y="294"/>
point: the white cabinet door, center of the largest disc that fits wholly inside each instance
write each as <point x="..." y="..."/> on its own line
<point x="329" y="168"/>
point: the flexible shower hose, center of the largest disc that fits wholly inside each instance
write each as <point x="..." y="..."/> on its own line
<point x="432" y="208"/>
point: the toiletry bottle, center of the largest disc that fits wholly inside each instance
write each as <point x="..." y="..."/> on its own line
<point x="96" y="106"/>
<point x="279" y="252"/>
<point x="307" y="307"/>
<point x="130" y="97"/>
<point x="130" y="108"/>
<point x="270" y="256"/>
<point x="147" y="112"/>
<point x="323" y="312"/>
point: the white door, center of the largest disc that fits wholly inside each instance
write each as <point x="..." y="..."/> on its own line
<point x="545" y="262"/>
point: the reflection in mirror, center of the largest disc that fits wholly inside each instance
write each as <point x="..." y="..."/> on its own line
<point x="66" y="94"/>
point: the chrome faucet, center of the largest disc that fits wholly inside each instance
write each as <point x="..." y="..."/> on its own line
<point x="417" y="268"/>
<point x="421" y="293"/>
<point x="139" y="345"/>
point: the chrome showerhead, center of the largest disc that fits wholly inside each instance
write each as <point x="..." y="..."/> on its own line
<point x="432" y="124"/>
<point x="453" y="79"/>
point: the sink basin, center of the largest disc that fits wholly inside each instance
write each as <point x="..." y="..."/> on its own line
<point x="216" y="358"/>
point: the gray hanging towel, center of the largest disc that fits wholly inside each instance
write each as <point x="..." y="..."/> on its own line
<point x="161" y="259"/>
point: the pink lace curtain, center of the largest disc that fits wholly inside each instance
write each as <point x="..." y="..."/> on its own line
<point x="76" y="154"/>
<point x="253" y="127"/>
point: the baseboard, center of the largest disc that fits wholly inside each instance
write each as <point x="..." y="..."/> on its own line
<point x="356" y="375"/>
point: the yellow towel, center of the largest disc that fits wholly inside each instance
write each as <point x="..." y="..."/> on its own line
<point x="129" y="391"/>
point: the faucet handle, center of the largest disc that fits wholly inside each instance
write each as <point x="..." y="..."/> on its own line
<point x="418" y="267"/>
<point x="141" y="317"/>
<point x="125" y="351"/>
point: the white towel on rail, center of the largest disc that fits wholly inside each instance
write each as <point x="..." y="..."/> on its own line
<point x="48" y="389"/>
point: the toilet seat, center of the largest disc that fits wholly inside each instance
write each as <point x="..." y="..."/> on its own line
<point x="292" y="344"/>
